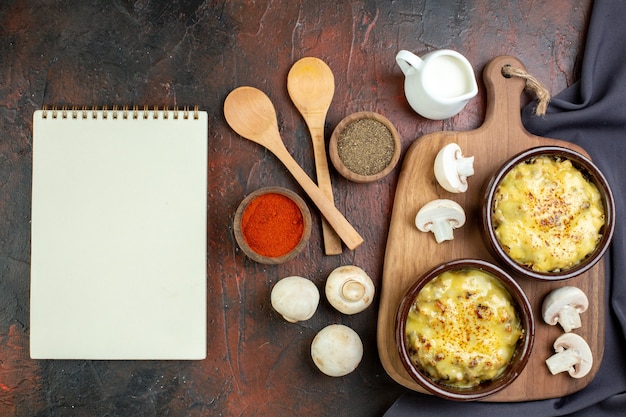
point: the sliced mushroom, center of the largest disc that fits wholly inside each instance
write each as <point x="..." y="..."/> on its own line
<point x="337" y="350"/>
<point x="564" y="306"/>
<point x="440" y="217"/>
<point x="452" y="168"/>
<point x="349" y="289"/>
<point x="295" y="298"/>
<point x="573" y="356"/>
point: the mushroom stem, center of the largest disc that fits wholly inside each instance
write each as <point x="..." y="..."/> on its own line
<point x="352" y="290"/>
<point x="465" y="167"/>
<point x="563" y="361"/>
<point x="569" y="318"/>
<point x="442" y="230"/>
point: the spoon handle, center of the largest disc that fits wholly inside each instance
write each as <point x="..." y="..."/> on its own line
<point x="344" y="229"/>
<point x="332" y="241"/>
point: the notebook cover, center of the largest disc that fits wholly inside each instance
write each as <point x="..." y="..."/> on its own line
<point x="118" y="263"/>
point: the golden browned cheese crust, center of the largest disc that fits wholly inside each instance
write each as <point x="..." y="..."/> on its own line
<point x="547" y="216"/>
<point x="463" y="328"/>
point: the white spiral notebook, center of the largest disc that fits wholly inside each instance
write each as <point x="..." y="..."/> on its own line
<point x="118" y="236"/>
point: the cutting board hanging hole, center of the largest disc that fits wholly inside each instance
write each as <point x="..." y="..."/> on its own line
<point x="532" y="85"/>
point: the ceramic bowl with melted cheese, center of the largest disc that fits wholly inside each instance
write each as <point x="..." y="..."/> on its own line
<point x="548" y="213"/>
<point x="465" y="330"/>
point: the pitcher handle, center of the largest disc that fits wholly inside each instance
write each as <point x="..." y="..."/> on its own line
<point x="408" y="62"/>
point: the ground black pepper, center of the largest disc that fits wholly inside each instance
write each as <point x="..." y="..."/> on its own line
<point x="365" y="146"/>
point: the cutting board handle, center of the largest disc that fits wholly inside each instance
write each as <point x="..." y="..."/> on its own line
<point x="503" y="94"/>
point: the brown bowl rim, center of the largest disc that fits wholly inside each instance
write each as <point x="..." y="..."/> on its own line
<point x="522" y="352"/>
<point x="590" y="171"/>
<point x="306" y="232"/>
<point x="334" y="153"/>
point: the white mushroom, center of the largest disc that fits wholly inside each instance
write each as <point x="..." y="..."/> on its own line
<point x="440" y="217"/>
<point x="295" y="298"/>
<point x="564" y="306"/>
<point x="337" y="350"/>
<point x="572" y="355"/>
<point x="452" y="168"/>
<point x="349" y="289"/>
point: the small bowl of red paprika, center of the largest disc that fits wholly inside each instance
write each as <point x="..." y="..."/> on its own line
<point x="272" y="225"/>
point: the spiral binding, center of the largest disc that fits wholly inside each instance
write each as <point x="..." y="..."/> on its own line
<point x="125" y="112"/>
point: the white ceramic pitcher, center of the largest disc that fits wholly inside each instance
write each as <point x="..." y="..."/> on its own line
<point x="438" y="85"/>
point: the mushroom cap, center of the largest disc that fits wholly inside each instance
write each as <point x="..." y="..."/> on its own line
<point x="452" y="169"/>
<point x="349" y="289"/>
<point x="295" y="298"/>
<point x="559" y="299"/>
<point x="441" y="209"/>
<point x="574" y="345"/>
<point x="337" y="350"/>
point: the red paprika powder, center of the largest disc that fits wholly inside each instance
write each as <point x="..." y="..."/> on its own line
<point x="272" y="225"/>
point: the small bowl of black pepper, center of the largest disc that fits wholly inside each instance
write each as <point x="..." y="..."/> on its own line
<point x="364" y="147"/>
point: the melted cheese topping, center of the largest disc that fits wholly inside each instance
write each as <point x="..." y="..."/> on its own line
<point x="547" y="216"/>
<point x="462" y="328"/>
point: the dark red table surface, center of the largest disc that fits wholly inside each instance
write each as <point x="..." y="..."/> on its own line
<point x="193" y="52"/>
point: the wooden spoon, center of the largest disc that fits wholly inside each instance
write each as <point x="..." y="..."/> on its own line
<point x="311" y="86"/>
<point x="251" y="114"/>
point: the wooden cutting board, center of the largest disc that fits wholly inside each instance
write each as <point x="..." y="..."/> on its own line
<point x="410" y="253"/>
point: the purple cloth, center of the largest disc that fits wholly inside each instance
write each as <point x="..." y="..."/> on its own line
<point x="592" y="114"/>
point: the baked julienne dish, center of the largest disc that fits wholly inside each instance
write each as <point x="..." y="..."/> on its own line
<point x="547" y="216"/>
<point x="462" y="328"/>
